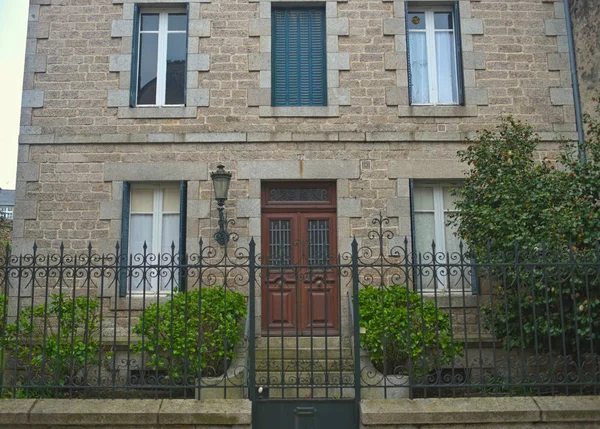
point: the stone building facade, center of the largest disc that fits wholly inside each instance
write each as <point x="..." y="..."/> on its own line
<point x="82" y="141"/>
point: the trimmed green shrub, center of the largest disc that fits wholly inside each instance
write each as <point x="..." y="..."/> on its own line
<point x="405" y="330"/>
<point x="56" y="343"/>
<point x="192" y="333"/>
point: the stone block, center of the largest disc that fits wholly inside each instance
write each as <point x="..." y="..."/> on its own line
<point x="198" y="209"/>
<point x="198" y="97"/>
<point x="338" y="26"/>
<point x="333" y="44"/>
<point x="258" y="62"/>
<point x="265" y="79"/>
<point x="118" y="98"/>
<point x="349" y="207"/>
<point x="268" y="169"/>
<point x="259" y="27"/>
<point x="331" y="10"/>
<point x="265" y="10"/>
<point x="119" y="63"/>
<point x="25" y="209"/>
<point x="102" y="412"/>
<point x="569" y="409"/>
<point x="474" y="60"/>
<point x="555" y="27"/>
<point x="194" y="11"/>
<point x="122" y="28"/>
<point x="16" y="411"/>
<point x="448" y="411"/>
<point x="209" y="412"/>
<point x="35" y="63"/>
<point x="477" y="96"/>
<point x="159" y="171"/>
<point x="338" y="61"/>
<point x="128" y="11"/>
<point x="198" y="62"/>
<point x="561" y="96"/>
<point x="111" y="209"/>
<point x="38" y="30"/>
<point x="427" y="169"/>
<point x="330" y="169"/>
<point x="248" y="208"/>
<point x="215" y="137"/>
<point x="32" y="98"/>
<point x="395" y="61"/>
<point x="156" y="112"/>
<point x="471" y="26"/>
<point x="34" y="12"/>
<point x="299" y="111"/>
<point x="27" y="172"/>
<point x="339" y="96"/>
<point x="269" y="137"/>
<point x="393" y="26"/>
<point x="398" y="207"/>
<point x="199" y="28"/>
<point x="36" y="139"/>
<point x="259" y="96"/>
<point x="558" y="61"/>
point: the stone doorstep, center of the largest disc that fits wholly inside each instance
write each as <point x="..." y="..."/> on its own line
<point x="132" y="412"/>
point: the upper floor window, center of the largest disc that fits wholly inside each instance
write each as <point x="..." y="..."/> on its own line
<point x="434" y="61"/>
<point x="299" y="56"/>
<point x="6" y="212"/>
<point x="161" y="57"/>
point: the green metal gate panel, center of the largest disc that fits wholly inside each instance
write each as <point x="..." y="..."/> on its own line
<point x="305" y="414"/>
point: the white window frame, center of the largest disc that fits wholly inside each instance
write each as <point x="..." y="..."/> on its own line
<point x="157" y="215"/>
<point x="430" y="33"/>
<point x="439" y="213"/>
<point x="161" y="60"/>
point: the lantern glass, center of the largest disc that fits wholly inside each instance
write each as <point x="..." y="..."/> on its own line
<point x="221" y="180"/>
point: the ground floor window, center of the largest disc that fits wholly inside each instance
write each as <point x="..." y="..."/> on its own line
<point x="436" y="243"/>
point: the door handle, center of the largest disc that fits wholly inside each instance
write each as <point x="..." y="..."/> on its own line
<point x="305" y="411"/>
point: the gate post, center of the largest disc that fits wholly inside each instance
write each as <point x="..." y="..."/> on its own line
<point x="356" y="324"/>
<point x="252" y="316"/>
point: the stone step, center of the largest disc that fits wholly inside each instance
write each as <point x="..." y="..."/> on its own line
<point x="303" y="353"/>
<point x="306" y="393"/>
<point x="305" y="378"/>
<point x="332" y="363"/>
<point x="301" y="342"/>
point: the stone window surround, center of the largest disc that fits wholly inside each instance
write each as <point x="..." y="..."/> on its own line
<point x="196" y="62"/>
<point x="336" y="62"/>
<point x="397" y="60"/>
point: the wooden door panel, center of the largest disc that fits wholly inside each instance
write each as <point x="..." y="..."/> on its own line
<point x="300" y="292"/>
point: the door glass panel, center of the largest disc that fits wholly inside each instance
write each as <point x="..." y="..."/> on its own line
<point x="299" y="194"/>
<point x="279" y="246"/>
<point x="318" y="242"/>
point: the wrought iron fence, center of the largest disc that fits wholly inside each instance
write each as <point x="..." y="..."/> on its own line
<point x="411" y="324"/>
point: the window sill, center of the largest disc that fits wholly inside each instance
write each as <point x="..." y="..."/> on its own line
<point x="156" y="112"/>
<point x="299" y="111"/>
<point x="438" y="111"/>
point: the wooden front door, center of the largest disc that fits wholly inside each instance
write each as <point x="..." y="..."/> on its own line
<point x="300" y="290"/>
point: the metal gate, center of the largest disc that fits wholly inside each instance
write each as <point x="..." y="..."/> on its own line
<point x="303" y="376"/>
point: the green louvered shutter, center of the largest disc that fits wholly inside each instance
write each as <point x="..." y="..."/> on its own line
<point x="134" y="56"/>
<point x="459" y="64"/>
<point x="124" y="251"/>
<point x="183" y="186"/>
<point x="299" y="57"/>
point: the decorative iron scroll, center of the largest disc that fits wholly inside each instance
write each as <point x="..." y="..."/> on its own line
<point x="299" y="194"/>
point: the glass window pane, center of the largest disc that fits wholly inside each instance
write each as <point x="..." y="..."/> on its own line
<point x="423" y="198"/>
<point x="318" y="242"/>
<point x="149" y="22"/>
<point x="419" y="72"/>
<point x="449" y="199"/>
<point x="279" y="242"/>
<point x="443" y="20"/>
<point x="171" y="200"/>
<point x="170" y="233"/>
<point x="148" y="70"/>
<point x="142" y="201"/>
<point x="177" y="22"/>
<point x="425" y="232"/>
<point x="446" y="67"/>
<point x="416" y="21"/>
<point x="176" y="68"/>
<point x="140" y="231"/>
